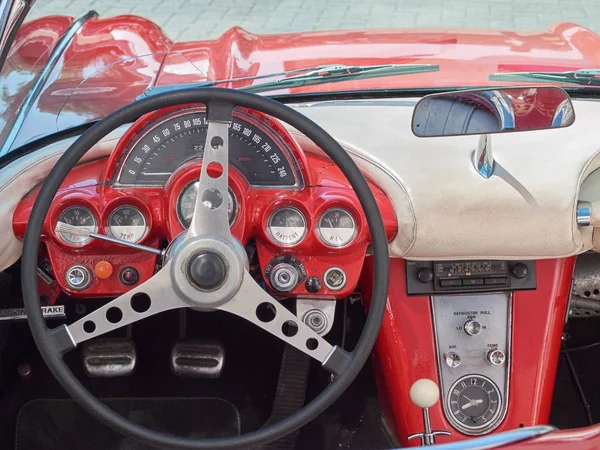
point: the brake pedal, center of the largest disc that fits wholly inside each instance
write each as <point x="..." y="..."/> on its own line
<point x="109" y="357"/>
<point x="197" y="358"/>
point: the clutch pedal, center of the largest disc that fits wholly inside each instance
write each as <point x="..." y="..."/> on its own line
<point x="197" y="358"/>
<point x="109" y="357"/>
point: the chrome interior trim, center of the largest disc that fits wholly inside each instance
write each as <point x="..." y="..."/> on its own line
<point x="584" y="214"/>
<point x="499" y="440"/>
<point x="507" y="368"/>
<point x="41" y="79"/>
<point x="483" y="158"/>
<point x="285" y="150"/>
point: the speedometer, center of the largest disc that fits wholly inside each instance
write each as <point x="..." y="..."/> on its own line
<point x="261" y="157"/>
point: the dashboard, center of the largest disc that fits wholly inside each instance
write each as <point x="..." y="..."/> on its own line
<point x="291" y="203"/>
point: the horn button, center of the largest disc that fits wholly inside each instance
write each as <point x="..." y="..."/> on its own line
<point x="206" y="270"/>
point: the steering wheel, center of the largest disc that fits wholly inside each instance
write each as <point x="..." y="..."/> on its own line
<point x="207" y="269"/>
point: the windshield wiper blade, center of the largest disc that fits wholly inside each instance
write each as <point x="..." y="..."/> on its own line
<point x="308" y="77"/>
<point x="582" y="77"/>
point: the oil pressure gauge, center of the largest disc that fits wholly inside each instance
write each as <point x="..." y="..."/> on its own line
<point x="337" y="228"/>
<point x="287" y="226"/>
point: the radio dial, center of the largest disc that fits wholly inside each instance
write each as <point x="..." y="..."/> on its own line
<point x="425" y="275"/>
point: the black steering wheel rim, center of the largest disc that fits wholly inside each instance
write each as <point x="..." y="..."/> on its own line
<point x="44" y="338"/>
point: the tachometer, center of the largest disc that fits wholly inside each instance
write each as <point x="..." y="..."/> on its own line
<point x="186" y="204"/>
<point x="262" y="158"/>
<point x="337" y="227"/>
<point x="127" y="223"/>
<point x="287" y="226"/>
<point x="80" y="217"/>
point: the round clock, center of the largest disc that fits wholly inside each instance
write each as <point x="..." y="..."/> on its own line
<point x="474" y="404"/>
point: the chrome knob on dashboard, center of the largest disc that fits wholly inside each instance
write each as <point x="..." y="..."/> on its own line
<point x="496" y="357"/>
<point x="284" y="277"/>
<point x="472" y="327"/>
<point x="425" y="393"/>
<point x="78" y="277"/>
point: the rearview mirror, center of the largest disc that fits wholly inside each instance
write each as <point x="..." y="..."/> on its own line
<point x="485" y="111"/>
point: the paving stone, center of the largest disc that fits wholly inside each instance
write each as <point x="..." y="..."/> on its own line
<point x="179" y="18"/>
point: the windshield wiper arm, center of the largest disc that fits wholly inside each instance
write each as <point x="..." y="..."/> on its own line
<point x="582" y="77"/>
<point x="309" y="77"/>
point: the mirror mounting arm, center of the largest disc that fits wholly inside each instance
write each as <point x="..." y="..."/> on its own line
<point x="483" y="158"/>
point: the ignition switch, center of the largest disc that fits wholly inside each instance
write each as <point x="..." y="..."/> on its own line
<point x="285" y="273"/>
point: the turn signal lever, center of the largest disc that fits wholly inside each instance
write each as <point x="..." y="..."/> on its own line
<point x="424" y="393"/>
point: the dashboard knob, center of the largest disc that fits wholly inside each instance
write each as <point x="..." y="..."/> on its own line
<point x="313" y="285"/>
<point x="78" y="277"/>
<point x="425" y="275"/>
<point x="472" y="327"/>
<point x="424" y="393"/>
<point x="496" y="357"/>
<point x="520" y="270"/>
<point x="284" y="277"/>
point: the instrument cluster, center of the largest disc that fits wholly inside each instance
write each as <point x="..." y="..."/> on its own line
<point x="300" y="215"/>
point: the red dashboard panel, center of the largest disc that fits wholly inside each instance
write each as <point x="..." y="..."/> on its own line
<point x="405" y="350"/>
<point x="92" y="186"/>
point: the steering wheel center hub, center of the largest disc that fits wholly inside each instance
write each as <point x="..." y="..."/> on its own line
<point x="206" y="270"/>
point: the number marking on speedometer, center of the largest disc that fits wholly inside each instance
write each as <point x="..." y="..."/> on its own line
<point x="261" y="158"/>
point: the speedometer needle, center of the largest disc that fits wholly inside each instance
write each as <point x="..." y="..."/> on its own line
<point x="62" y="227"/>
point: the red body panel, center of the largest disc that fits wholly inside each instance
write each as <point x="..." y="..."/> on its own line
<point x="90" y="185"/>
<point x="405" y="350"/>
<point x="111" y="61"/>
<point x="104" y="69"/>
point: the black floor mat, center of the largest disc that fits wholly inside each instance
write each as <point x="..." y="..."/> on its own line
<point x="62" y="424"/>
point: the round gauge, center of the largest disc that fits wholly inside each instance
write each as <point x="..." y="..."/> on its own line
<point x="474" y="403"/>
<point x="287" y="226"/>
<point x="337" y="227"/>
<point x="79" y="217"/>
<point x="186" y="204"/>
<point x="261" y="158"/>
<point x="127" y="223"/>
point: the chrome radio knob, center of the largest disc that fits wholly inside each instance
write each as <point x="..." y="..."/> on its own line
<point x="472" y="327"/>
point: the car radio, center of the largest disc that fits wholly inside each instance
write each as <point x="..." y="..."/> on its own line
<point x="427" y="277"/>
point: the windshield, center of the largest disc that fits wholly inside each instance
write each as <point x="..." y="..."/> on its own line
<point x="113" y="57"/>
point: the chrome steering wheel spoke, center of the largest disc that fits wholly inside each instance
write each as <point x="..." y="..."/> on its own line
<point x="252" y="303"/>
<point x="210" y="214"/>
<point x="152" y="297"/>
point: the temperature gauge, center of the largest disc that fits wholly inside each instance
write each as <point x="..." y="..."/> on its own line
<point x="79" y="217"/>
<point x="337" y="227"/>
<point x="287" y="226"/>
<point x="127" y="223"/>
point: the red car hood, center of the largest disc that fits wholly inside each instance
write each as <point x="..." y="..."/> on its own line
<point x="112" y="61"/>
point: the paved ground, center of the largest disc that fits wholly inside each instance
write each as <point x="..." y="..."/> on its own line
<point x="205" y="19"/>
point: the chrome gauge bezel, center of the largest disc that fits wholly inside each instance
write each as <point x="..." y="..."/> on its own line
<point x="114" y="211"/>
<point x="354" y="228"/>
<point x="234" y="203"/>
<point x="487" y="426"/>
<point x="272" y="235"/>
<point x="286" y="150"/>
<point x="84" y="240"/>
